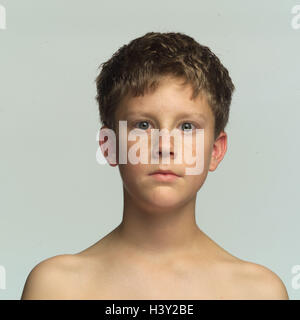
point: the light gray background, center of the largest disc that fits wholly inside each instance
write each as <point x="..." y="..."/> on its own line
<point x="55" y="197"/>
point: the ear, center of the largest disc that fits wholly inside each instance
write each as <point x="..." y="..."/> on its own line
<point x="108" y="145"/>
<point x="219" y="150"/>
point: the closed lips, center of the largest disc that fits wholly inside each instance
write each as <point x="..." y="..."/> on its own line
<point x="164" y="172"/>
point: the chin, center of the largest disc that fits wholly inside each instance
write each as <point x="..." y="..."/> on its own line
<point x="164" y="199"/>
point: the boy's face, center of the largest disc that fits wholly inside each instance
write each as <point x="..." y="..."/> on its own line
<point x="165" y="108"/>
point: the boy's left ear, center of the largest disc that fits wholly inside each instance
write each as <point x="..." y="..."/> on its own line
<point x="108" y="146"/>
<point x="219" y="150"/>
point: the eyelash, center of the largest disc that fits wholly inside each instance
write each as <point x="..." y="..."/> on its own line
<point x="195" y="125"/>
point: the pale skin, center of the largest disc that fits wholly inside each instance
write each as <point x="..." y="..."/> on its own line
<point x="158" y="251"/>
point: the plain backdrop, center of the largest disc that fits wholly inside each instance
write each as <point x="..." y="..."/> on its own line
<point x="54" y="196"/>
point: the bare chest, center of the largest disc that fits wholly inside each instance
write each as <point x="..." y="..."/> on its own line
<point x="137" y="285"/>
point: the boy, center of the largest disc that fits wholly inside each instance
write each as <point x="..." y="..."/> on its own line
<point x="159" y="81"/>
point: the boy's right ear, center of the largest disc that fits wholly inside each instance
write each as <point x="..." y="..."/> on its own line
<point x="107" y="143"/>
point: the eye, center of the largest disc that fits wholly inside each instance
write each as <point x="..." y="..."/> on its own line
<point x="186" y="125"/>
<point x="142" y="125"/>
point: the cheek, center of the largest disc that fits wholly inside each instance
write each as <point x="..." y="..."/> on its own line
<point x="194" y="183"/>
<point x="130" y="172"/>
<point x="196" y="152"/>
<point x="135" y="152"/>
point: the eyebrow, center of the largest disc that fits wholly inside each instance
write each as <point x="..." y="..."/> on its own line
<point x="180" y="115"/>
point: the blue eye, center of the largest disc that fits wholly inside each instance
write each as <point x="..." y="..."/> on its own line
<point x="186" y="127"/>
<point x="143" y="127"/>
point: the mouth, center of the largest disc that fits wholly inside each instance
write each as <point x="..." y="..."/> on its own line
<point x="164" y="175"/>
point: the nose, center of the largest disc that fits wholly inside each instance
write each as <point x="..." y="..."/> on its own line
<point x="165" y="148"/>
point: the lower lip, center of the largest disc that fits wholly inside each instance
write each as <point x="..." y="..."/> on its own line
<point x="164" y="177"/>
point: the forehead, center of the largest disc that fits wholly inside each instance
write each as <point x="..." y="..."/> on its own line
<point x="170" y="99"/>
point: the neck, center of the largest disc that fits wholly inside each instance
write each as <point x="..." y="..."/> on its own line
<point x="158" y="230"/>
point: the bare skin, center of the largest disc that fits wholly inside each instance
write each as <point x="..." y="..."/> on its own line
<point x="158" y="251"/>
<point x="206" y="271"/>
<point x="107" y="271"/>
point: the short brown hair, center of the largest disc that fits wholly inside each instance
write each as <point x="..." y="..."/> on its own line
<point x="138" y="66"/>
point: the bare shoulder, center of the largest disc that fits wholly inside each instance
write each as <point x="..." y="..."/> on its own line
<point x="260" y="283"/>
<point x="52" y="278"/>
